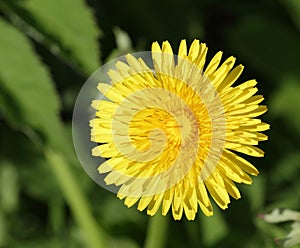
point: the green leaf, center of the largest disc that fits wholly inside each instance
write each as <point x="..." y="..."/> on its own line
<point x="123" y="242"/>
<point x="156" y="232"/>
<point x="9" y="187"/>
<point x="285" y="102"/>
<point x="291" y="164"/>
<point x="123" y="42"/>
<point x="3" y="230"/>
<point x="256" y="40"/>
<point x="293" y="7"/>
<point x="122" y="39"/>
<point x="293" y="238"/>
<point x="115" y="213"/>
<point x="27" y="92"/>
<point x="256" y="193"/>
<point x="40" y="184"/>
<point x="94" y="235"/>
<point x="214" y="228"/>
<point x="268" y="232"/>
<point x="71" y="25"/>
<point x="39" y="243"/>
<point x="28" y="169"/>
<point x="281" y="215"/>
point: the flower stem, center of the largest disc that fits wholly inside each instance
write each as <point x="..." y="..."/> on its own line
<point x="75" y="198"/>
<point x="156" y="233"/>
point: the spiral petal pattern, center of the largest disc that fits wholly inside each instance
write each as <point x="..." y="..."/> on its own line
<point x="169" y="130"/>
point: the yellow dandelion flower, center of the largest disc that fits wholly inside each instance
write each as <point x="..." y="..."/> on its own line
<point x="169" y="129"/>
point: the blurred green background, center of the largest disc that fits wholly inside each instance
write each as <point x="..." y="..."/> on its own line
<point x="48" y="48"/>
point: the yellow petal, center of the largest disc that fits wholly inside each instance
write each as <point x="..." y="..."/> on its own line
<point x="166" y="47"/>
<point x="254" y="99"/>
<point x="246" y="94"/>
<point x="194" y="50"/>
<point x="242" y="110"/>
<point x="233" y="171"/>
<point x="167" y="201"/>
<point x="154" y="204"/>
<point x="202" y="194"/>
<point x="200" y="61"/>
<point x="130" y="201"/>
<point x="134" y="63"/>
<point x="246" y="149"/>
<point x="105" y="151"/>
<point x="115" y="76"/>
<point x="110" y="92"/>
<point x="213" y="65"/>
<point x="231" y="188"/>
<point x="231" y="78"/>
<point x="218" y="193"/>
<point x="241" y="162"/>
<point x="177" y="212"/>
<point x="104" y="167"/>
<point x="188" y="210"/>
<point x="182" y="52"/>
<point x="144" y="202"/>
<point x="157" y="57"/>
<point x="101" y="135"/>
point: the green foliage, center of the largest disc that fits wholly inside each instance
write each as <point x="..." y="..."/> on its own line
<point x="214" y="229"/>
<point x="277" y="216"/>
<point x="9" y="188"/>
<point x="26" y="82"/>
<point x="70" y="24"/>
<point x="47" y="50"/>
<point x="293" y="6"/>
<point x="256" y="39"/>
<point x="285" y="102"/>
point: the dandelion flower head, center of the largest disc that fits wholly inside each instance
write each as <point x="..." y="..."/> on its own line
<point x="172" y="130"/>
